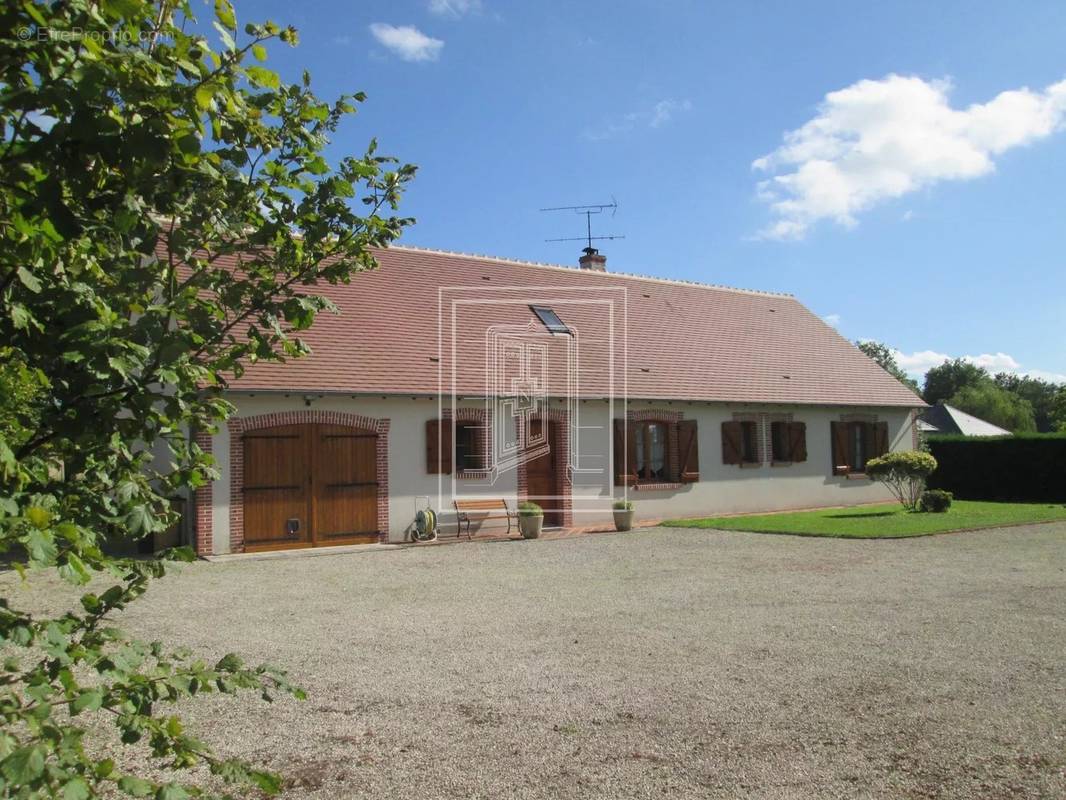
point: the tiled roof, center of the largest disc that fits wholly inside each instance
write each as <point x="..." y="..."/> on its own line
<point x="683" y="341"/>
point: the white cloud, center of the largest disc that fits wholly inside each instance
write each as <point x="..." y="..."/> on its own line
<point x="832" y="319"/>
<point x="920" y="362"/>
<point x="454" y="8"/>
<point x="881" y="139"/>
<point x="656" y="116"/>
<point x="407" y="41"/>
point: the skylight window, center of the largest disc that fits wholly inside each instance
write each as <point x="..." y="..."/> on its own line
<point x="550" y="319"/>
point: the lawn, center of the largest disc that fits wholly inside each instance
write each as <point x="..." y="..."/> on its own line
<point x="888" y="521"/>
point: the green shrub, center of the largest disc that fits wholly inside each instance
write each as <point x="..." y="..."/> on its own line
<point x="529" y="509"/>
<point x="623" y="505"/>
<point x="936" y="501"/>
<point x="1030" y="468"/>
<point x="903" y="473"/>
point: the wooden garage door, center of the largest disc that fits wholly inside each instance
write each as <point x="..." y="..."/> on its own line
<point x="309" y="485"/>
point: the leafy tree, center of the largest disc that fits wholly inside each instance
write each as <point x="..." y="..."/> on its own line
<point x="996" y="405"/>
<point x="945" y="381"/>
<point x="166" y="213"/>
<point x="1058" y="411"/>
<point x="904" y="473"/>
<point x="1041" y="394"/>
<point x="884" y="356"/>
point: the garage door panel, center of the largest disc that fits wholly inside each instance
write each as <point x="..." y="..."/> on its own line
<point x="324" y="476"/>
<point x="345" y="483"/>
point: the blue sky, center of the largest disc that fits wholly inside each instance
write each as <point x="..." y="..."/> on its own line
<point x="926" y="210"/>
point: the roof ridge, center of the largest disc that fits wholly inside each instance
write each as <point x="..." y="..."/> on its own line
<point x="546" y="265"/>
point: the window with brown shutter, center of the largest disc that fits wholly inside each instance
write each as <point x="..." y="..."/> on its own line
<point x="788" y="442"/>
<point x="797" y="437"/>
<point x="438" y="447"/>
<point x="731" y="442"/>
<point x="469" y="450"/>
<point x="688" y="451"/>
<point x="623" y="475"/>
<point x="644" y="452"/>
<point x="749" y="442"/>
<point x="855" y="442"/>
<point x="780" y="443"/>
<point x="838" y="437"/>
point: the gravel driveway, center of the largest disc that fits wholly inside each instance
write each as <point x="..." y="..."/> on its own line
<point x="661" y="663"/>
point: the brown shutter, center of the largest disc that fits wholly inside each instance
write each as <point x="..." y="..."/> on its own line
<point x="688" y="448"/>
<point x="838" y="432"/>
<point x="731" y="442"/>
<point x="621" y="458"/>
<point x="631" y="453"/>
<point x="880" y="438"/>
<point x="797" y="441"/>
<point x="438" y="447"/>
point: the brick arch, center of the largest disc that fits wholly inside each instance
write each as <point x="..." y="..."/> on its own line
<point x="238" y="426"/>
<point x="563" y="485"/>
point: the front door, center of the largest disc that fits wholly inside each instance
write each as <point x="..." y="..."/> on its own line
<point x="541" y="473"/>
<point x="309" y="485"/>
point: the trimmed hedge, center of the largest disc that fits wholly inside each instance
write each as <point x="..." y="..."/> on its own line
<point x="1024" y="468"/>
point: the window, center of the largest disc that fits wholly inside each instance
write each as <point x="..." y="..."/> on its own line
<point x="651" y="451"/>
<point x="741" y="442"/>
<point x="855" y="442"/>
<point x="749" y="442"/>
<point x="550" y="319"/>
<point x="655" y="452"/>
<point x="468" y="454"/>
<point x="779" y="443"/>
<point x="788" y="442"/>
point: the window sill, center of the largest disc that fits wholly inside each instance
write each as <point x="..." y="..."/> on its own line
<point x="781" y="463"/>
<point x="750" y="464"/>
<point x="472" y="474"/>
<point x="643" y="487"/>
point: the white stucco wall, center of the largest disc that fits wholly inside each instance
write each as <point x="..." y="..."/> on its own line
<point x="722" y="488"/>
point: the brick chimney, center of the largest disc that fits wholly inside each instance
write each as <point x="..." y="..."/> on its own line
<point x="593" y="260"/>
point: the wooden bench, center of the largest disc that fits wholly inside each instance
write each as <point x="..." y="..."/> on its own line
<point x="482" y="509"/>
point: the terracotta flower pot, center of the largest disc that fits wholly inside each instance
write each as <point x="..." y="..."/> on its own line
<point x="623" y="519"/>
<point x="530" y="526"/>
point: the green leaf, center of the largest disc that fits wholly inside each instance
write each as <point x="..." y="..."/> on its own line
<point x="224" y="12"/>
<point x="261" y="76"/>
<point x="171" y="791"/>
<point x="259" y="52"/>
<point x="140" y="520"/>
<point x="29" y="280"/>
<point x="132" y="785"/>
<point x="24" y="765"/>
<point x="267" y="781"/>
<point x="40" y="546"/>
<point x="38" y="517"/>
<point x="76" y="789"/>
<point x="204" y="95"/>
<point x="89" y="700"/>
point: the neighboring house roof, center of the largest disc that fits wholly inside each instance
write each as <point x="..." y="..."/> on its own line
<point x="685" y="341"/>
<point x="942" y="418"/>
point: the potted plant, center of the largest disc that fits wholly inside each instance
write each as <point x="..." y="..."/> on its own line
<point x="530" y="519"/>
<point x="623" y="515"/>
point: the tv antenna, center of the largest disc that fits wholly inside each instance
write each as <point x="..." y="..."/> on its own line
<point x="588" y="211"/>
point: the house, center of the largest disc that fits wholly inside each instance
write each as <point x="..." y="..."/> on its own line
<point x="942" y="418"/>
<point x="448" y="376"/>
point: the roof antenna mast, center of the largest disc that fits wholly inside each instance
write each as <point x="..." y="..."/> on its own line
<point x="588" y="211"/>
